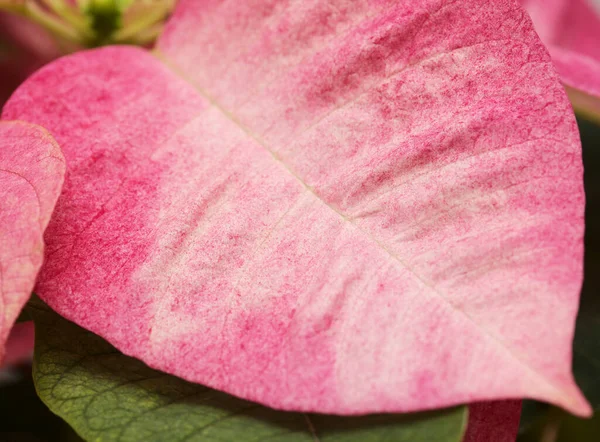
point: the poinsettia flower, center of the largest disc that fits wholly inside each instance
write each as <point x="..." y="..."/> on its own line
<point x="343" y="206"/>
<point x="31" y="175"/>
<point x="571" y="30"/>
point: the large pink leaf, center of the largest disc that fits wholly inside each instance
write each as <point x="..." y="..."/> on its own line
<point x="342" y="206"/>
<point x="31" y="174"/>
<point x="571" y="29"/>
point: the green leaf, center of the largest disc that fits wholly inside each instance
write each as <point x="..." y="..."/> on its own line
<point x="107" y="396"/>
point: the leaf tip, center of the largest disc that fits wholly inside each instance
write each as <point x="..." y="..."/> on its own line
<point x="575" y="402"/>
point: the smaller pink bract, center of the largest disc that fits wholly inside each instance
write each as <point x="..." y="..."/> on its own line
<point x="31" y="174"/>
<point x="571" y="31"/>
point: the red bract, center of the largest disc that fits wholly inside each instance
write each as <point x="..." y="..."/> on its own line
<point x="493" y="422"/>
<point x="31" y="174"/>
<point x="571" y="30"/>
<point x="342" y="206"/>
<point x="19" y="344"/>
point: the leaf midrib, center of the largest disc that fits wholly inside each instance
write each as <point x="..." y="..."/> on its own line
<point x="172" y="66"/>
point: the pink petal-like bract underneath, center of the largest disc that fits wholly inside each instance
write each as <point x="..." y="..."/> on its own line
<point x="341" y="206"/>
<point x="571" y="30"/>
<point x="493" y="422"/>
<point x="31" y="175"/>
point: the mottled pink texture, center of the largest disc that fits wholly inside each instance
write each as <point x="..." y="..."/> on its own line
<point x="31" y="174"/>
<point x="493" y="421"/>
<point x="347" y="206"/>
<point x="571" y="30"/>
